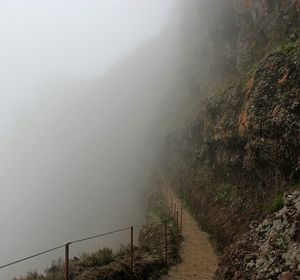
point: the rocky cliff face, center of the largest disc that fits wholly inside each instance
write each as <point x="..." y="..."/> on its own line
<point x="241" y="148"/>
<point x="227" y="37"/>
<point x="270" y="251"/>
<point x="262" y="25"/>
<point x="237" y="150"/>
<point x="253" y="129"/>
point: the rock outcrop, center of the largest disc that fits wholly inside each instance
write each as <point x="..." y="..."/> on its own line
<point x="271" y="250"/>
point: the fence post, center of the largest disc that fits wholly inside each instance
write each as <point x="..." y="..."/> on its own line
<point x="177" y="232"/>
<point x="181" y="213"/>
<point x="166" y="190"/>
<point x="131" y="249"/>
<point x="166" y="243"/>
<point x="67" y="244"/>
<point x="171" y="208"/>
<point x="174" y="211"/>
<point x="177" y="224"/>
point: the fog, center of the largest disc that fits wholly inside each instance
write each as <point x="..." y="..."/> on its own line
<point x="80" y="88"/>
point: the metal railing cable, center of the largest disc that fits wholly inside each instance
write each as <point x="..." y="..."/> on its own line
<point x="103" y="234"/>
<point x="32" y="256"/>
<point x="69" y="242"/>
<point x="174" y="213"/>
<point x="98" y="235"/>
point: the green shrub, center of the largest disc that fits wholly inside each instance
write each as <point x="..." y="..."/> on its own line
<point x="225" y="192"/>
<point x="288" y="46"/>
<point x="281" y="243"/>
<point x="101" y="257"/>
<point x="295" y="186"/>
<point x="33" y="275"/>
<point x="55" y="271"/>
<point x="277" y="203"/>
<point x="158" y="212"/>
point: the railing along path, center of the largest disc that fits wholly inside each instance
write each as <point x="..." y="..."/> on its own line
<point x="171" y="206"/>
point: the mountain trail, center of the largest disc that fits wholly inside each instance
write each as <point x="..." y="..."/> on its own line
<point x="199" y="260"/>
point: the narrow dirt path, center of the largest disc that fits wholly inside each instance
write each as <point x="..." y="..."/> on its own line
<point x="199" y="260"/>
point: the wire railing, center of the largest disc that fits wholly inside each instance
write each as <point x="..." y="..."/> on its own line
<point x="171" y="206"/>
<point x="32" y="256"/>
<point x="67" y="245"/>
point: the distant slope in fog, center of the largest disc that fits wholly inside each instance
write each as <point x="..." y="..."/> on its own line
<point x="78" y="157"/>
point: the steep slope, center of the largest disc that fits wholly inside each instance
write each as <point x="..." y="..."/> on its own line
<point x="220" y="98"/>
<point x="242" y="148"/>
<point x="233" y="154"/>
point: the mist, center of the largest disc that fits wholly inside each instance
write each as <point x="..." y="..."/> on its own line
<point x="81" y="84"/>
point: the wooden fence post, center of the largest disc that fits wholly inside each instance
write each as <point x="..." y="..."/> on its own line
<point x="174" y="211"/>
<point x="181" y="213"/>
<point x="166" y="197"/>
<point x="131" y="249"/>
<point x="67" y="244"/>
<point x="166" y="243"/>
<point x="177" y="224"/>
<point x="177" y="232"/>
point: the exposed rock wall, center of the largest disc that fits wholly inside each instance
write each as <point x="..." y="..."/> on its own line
<point x="270" y="251"/>
<point x="237" y="149"/>
<point x="262" y="25"/>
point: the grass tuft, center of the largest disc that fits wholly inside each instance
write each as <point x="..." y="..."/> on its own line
<point x="277" y="203"/>
<point x="225" y="192"/>
<point x="101" y="257"/>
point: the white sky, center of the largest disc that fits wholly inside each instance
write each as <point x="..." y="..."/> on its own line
<point x="45" y="39"/>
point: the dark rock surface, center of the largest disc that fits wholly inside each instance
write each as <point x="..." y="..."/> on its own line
<point x="243" y="143"/>
<point x="271" y="250"/>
